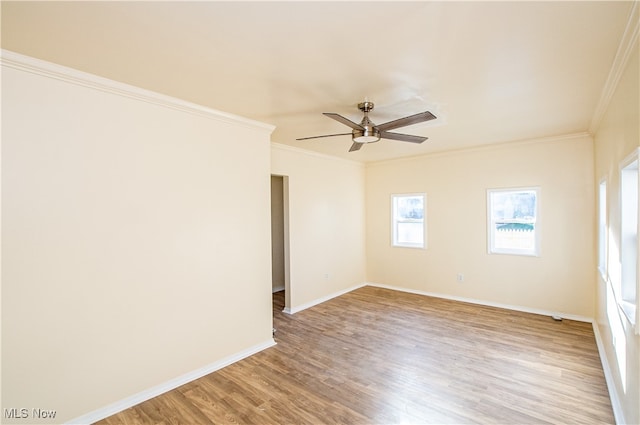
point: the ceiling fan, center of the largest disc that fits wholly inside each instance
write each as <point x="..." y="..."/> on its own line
<point x="368" y="132"/>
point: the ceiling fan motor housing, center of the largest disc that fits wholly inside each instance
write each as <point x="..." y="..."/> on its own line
<point x="369" y="132"/>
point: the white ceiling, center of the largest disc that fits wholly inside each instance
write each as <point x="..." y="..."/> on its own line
<point x="492" y="72"/>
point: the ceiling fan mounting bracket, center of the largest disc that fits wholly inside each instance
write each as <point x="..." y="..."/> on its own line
<point x="365" y="106"/>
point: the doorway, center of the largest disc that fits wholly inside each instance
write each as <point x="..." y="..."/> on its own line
<point x="280" y="239"/>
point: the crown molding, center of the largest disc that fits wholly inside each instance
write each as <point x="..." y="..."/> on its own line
<point x="315" y="154"/>
<point x="625" y="49"/>
<point x="43" y="68"/>
<point x="486" y="147"/>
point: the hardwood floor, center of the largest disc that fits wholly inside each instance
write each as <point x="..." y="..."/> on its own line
<point x="376" y="356"/>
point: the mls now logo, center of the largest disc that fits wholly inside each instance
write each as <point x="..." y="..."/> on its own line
<point x="15" y="413"/>
<point x="24" y="413"/>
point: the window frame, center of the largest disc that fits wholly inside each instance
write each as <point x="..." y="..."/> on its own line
<point x="491" y="249"/>
<point x="629" y="305"/>
<point x="394" y="221"/>
<point x="603" y="229"/>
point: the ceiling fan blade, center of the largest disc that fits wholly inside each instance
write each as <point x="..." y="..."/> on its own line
<point x="402" y="137"/>
<point x="403" y="122"/>
<point x="356" y="146"/>
<point x="327" y="135"/>
<point x="343" y="120"/>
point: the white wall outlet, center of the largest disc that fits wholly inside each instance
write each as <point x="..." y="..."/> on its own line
<point x="460" y="277"/>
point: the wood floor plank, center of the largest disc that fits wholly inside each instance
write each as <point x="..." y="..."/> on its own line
<point x="377" y="356"/>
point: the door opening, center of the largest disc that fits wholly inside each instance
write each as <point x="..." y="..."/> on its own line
<point x="279" y="241"/>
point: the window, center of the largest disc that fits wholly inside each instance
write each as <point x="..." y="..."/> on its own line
<point x="513" y="226"/>
<point x="602" y="229"/>
<point x="629" y="235"/>
<point x="408" y="220"/>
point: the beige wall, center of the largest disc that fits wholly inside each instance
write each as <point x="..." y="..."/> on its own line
<point x="618" y="135"/>
<point x="135" y="244"/>
<point x="559" y="280"/>
<point x="326" y="223"/>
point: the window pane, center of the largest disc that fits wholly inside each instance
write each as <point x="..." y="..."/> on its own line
<point x="410" y="207"/>
<point x="514" y="236"/>
<point x="629" y="233"/>
<point x="512" y="220"/>
<point x="514" y="206"/>
<point x="407" y="221"/>
<point x="410" y="233"/>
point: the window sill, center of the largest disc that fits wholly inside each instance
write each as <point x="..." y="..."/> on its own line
<point x="409" y="246"/>
<point x="629" y="311"/>
<point x="514" y="252"/>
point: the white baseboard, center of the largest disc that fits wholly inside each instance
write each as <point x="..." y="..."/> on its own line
<point x="174" y="383"/>
<point x="523" y="309"/>
<point x="296" y="309"/>
<point x="485" y="303"/>
<point x="618" y="413"/>
<point x="277" y="289"/>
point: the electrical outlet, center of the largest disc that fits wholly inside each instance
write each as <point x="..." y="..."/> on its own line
<point x="460" y="277"/>
<point x="327" y="276"/>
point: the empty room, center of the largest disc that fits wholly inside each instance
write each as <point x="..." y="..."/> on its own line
<point x="320" y="212"/>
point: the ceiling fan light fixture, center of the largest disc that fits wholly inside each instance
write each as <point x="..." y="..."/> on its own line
<point x="368" y="135"/>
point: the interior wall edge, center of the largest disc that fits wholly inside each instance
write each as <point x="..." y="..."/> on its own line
<point x="299" y="308"/>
